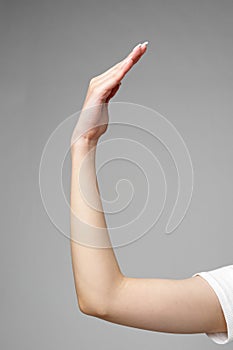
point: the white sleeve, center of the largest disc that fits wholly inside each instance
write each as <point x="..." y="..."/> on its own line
<point x="221" y="280"/>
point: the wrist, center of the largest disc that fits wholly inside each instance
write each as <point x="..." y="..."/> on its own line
<point x="83" y="146"/>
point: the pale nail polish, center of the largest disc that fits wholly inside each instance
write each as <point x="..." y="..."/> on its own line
<point x="137" y="46"/>
<point x="145" y="43"/>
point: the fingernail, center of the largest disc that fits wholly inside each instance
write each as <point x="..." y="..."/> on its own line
<point x="145" y="43"/>
<point x="137" y="46"/>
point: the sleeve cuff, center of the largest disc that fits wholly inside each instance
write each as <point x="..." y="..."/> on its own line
<point x="221" y="280"/>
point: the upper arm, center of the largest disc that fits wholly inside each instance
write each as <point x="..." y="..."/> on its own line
<point x="166" y="305"/>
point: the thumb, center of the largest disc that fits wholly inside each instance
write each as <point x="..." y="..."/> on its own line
<point x="113" y="92"/>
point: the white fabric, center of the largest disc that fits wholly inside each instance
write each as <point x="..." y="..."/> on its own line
<point x="221" y="280"/>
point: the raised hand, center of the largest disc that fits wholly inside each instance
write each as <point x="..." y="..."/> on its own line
<point x="93" y="120"/>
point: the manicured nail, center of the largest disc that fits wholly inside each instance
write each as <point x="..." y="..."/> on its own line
<point x="145" y="43"/>
<point x="137" y="46"/>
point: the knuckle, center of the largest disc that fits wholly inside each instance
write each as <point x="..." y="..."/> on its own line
<point x="93" y="81"/>
<point x="118" y="78"/>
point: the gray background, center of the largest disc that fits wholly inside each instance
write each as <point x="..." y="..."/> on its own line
<point x="49" y="51"/>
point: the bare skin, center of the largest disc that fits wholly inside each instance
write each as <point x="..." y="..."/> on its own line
<point x="165" y="305"/>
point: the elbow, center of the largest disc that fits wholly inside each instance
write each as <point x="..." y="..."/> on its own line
<point x="93" y="308"/>
<point x="102" y="304"/>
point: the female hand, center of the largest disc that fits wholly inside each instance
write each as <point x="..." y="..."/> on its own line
<point x="93" y="120"/>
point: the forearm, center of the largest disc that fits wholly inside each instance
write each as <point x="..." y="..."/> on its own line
<point x="96" y="271"/>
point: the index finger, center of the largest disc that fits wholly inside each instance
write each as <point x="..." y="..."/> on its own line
<point x="118" y="74"/>
<point x="134" y="55"/>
